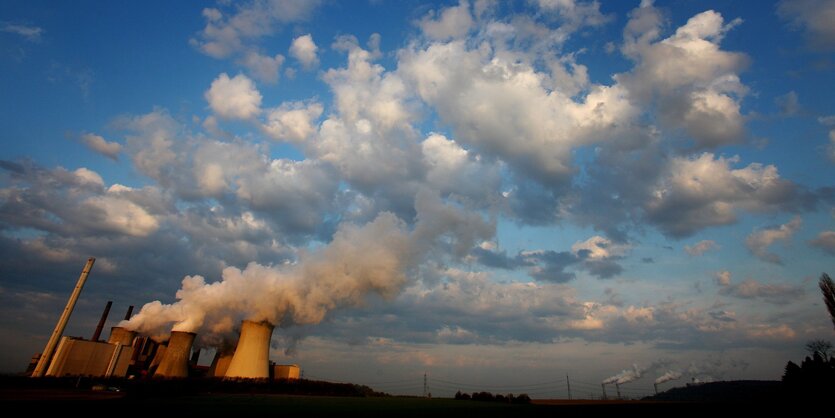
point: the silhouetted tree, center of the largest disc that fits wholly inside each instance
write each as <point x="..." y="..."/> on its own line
<point x="819" y="347"/>
<point x="828" y="289"/>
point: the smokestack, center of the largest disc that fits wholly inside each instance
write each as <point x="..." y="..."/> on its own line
<point x="174" y="362"/>
<point x="103" y="318"/>
<point x="195" y="356"/>
<point x="49" y="350"/>
<point x="603" y="385"/>
<point x="129" y="313"/>
<point x="656" y="387"/>
<point x="617" y="387"/>
<point x="121" y="336"/>
<point x="252" y="357"/>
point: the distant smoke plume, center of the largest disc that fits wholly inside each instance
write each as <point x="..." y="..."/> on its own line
<point x="626" y="376"/>
<point x="376" y="258"/>
<point x="666" y="377"/>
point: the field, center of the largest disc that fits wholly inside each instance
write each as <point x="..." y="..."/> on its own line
<point x="238" y="405"/>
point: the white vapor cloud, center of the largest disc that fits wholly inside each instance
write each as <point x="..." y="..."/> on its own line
<point x="825" y="241"/>
<point x="304" y="49"/>
<point x="451" y="22"/>
<point x="234" y="98"/>
<point x="701" y="247"/>
<point x="29" y="32"/>
<point x="814" y="17"/>
<point x="759" y="241"/>
<point x="102" y="146"/>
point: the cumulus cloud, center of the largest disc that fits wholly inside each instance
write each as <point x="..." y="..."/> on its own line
<point x="104" y="147"/>
<point x="228" y="33"/>
<point x="234" y="98"/>
<point x="701" y="247"/>
<point x="759" y="241"/>
<point x="751" y="289"/>
<point x="723" y="278"/>
<point x="264" y="68"/>
<point x="304" y="49"/>
<point x="825" y="241"/>
<point x="29" y="32"/>
<point x="789" y="104"/>
<point x="691" y="81"/>
<point x="292" y="121"/>
<point x="830" y="148"/>
<point x="451" y="22"/>
<point x="814" y="17"/>
<point x="706" y="190"/>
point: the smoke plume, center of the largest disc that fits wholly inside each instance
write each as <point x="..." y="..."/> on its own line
<point x="626" y="376"/>
<point x="666" y="377"/>
<point x="376" y="258"/>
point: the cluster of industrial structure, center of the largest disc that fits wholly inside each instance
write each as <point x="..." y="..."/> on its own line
<point x="126" y="354"/>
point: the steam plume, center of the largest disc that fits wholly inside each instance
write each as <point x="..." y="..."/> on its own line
<point x="666" y="377"/>
<point x="377" y="258"/>
<point x="626" y="376"/>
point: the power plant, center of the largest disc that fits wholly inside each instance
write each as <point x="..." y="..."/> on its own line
<point x="126" y="354"/>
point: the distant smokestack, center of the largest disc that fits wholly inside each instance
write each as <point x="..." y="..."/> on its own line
<point x="175" y="361"/>
<point x="49" y="350"/>
<point x="252" y="357"/>
<point x="195" y="356"/>
<point x="617" y="387"/>
<point x="122" y="336"/>
<point x="603" y="385"/>
<point x="103" y="318"/>
<point x="129" y="313"/>
<point x="656" y="387"/>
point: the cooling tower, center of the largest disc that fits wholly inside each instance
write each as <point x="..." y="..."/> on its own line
<point x="221" y="363"/>
<point x="122" y="336"/>
<point x="174" y="362"/>
<point x="252" y="357"/>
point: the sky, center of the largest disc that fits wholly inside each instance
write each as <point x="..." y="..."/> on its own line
<point x="494" y="194"/>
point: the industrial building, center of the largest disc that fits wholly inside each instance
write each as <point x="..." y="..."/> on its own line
<point x="126" y="354"/>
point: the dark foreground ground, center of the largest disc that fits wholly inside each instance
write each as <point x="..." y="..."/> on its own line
<point x="171" y="400"/>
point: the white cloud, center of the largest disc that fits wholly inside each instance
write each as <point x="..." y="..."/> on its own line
<point x="99" y="144"/>
<point x="814" y="17"/>
<point x="451" y="22"/>
<point x="577" y="13"/>
<point x="599" y="248"/>
<point x="292" y="121"/>
<point x="788" y="103"/>
<point x="29" y="32"/>
<point x="701" y="247"/>
<point x="704" y="191"/>
<point x="235" y="98"/>
<point x="693" y="84"/>
<point x="115" y="214"/>
<point x="304" y="49"/>
<point x="723" y="278"/>
<point x="825" y="241"/>
<point x="759" y="241"/>
<point x="263" y="68"/>
<point x="227" y="34"/>
<point x="752" y="289"/>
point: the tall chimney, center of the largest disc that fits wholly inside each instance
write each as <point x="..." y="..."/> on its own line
<point x="49" y="350"/>
<point x="252" y="357"/>
<point x="175" y="360"/>
<point x="103" y="318"/>
<point x="129" y="313"/>
<point x="603" y="385"/>
<point x="656" y="387"/>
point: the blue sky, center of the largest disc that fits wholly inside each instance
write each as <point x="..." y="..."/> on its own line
<point x="547" y="186"/>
